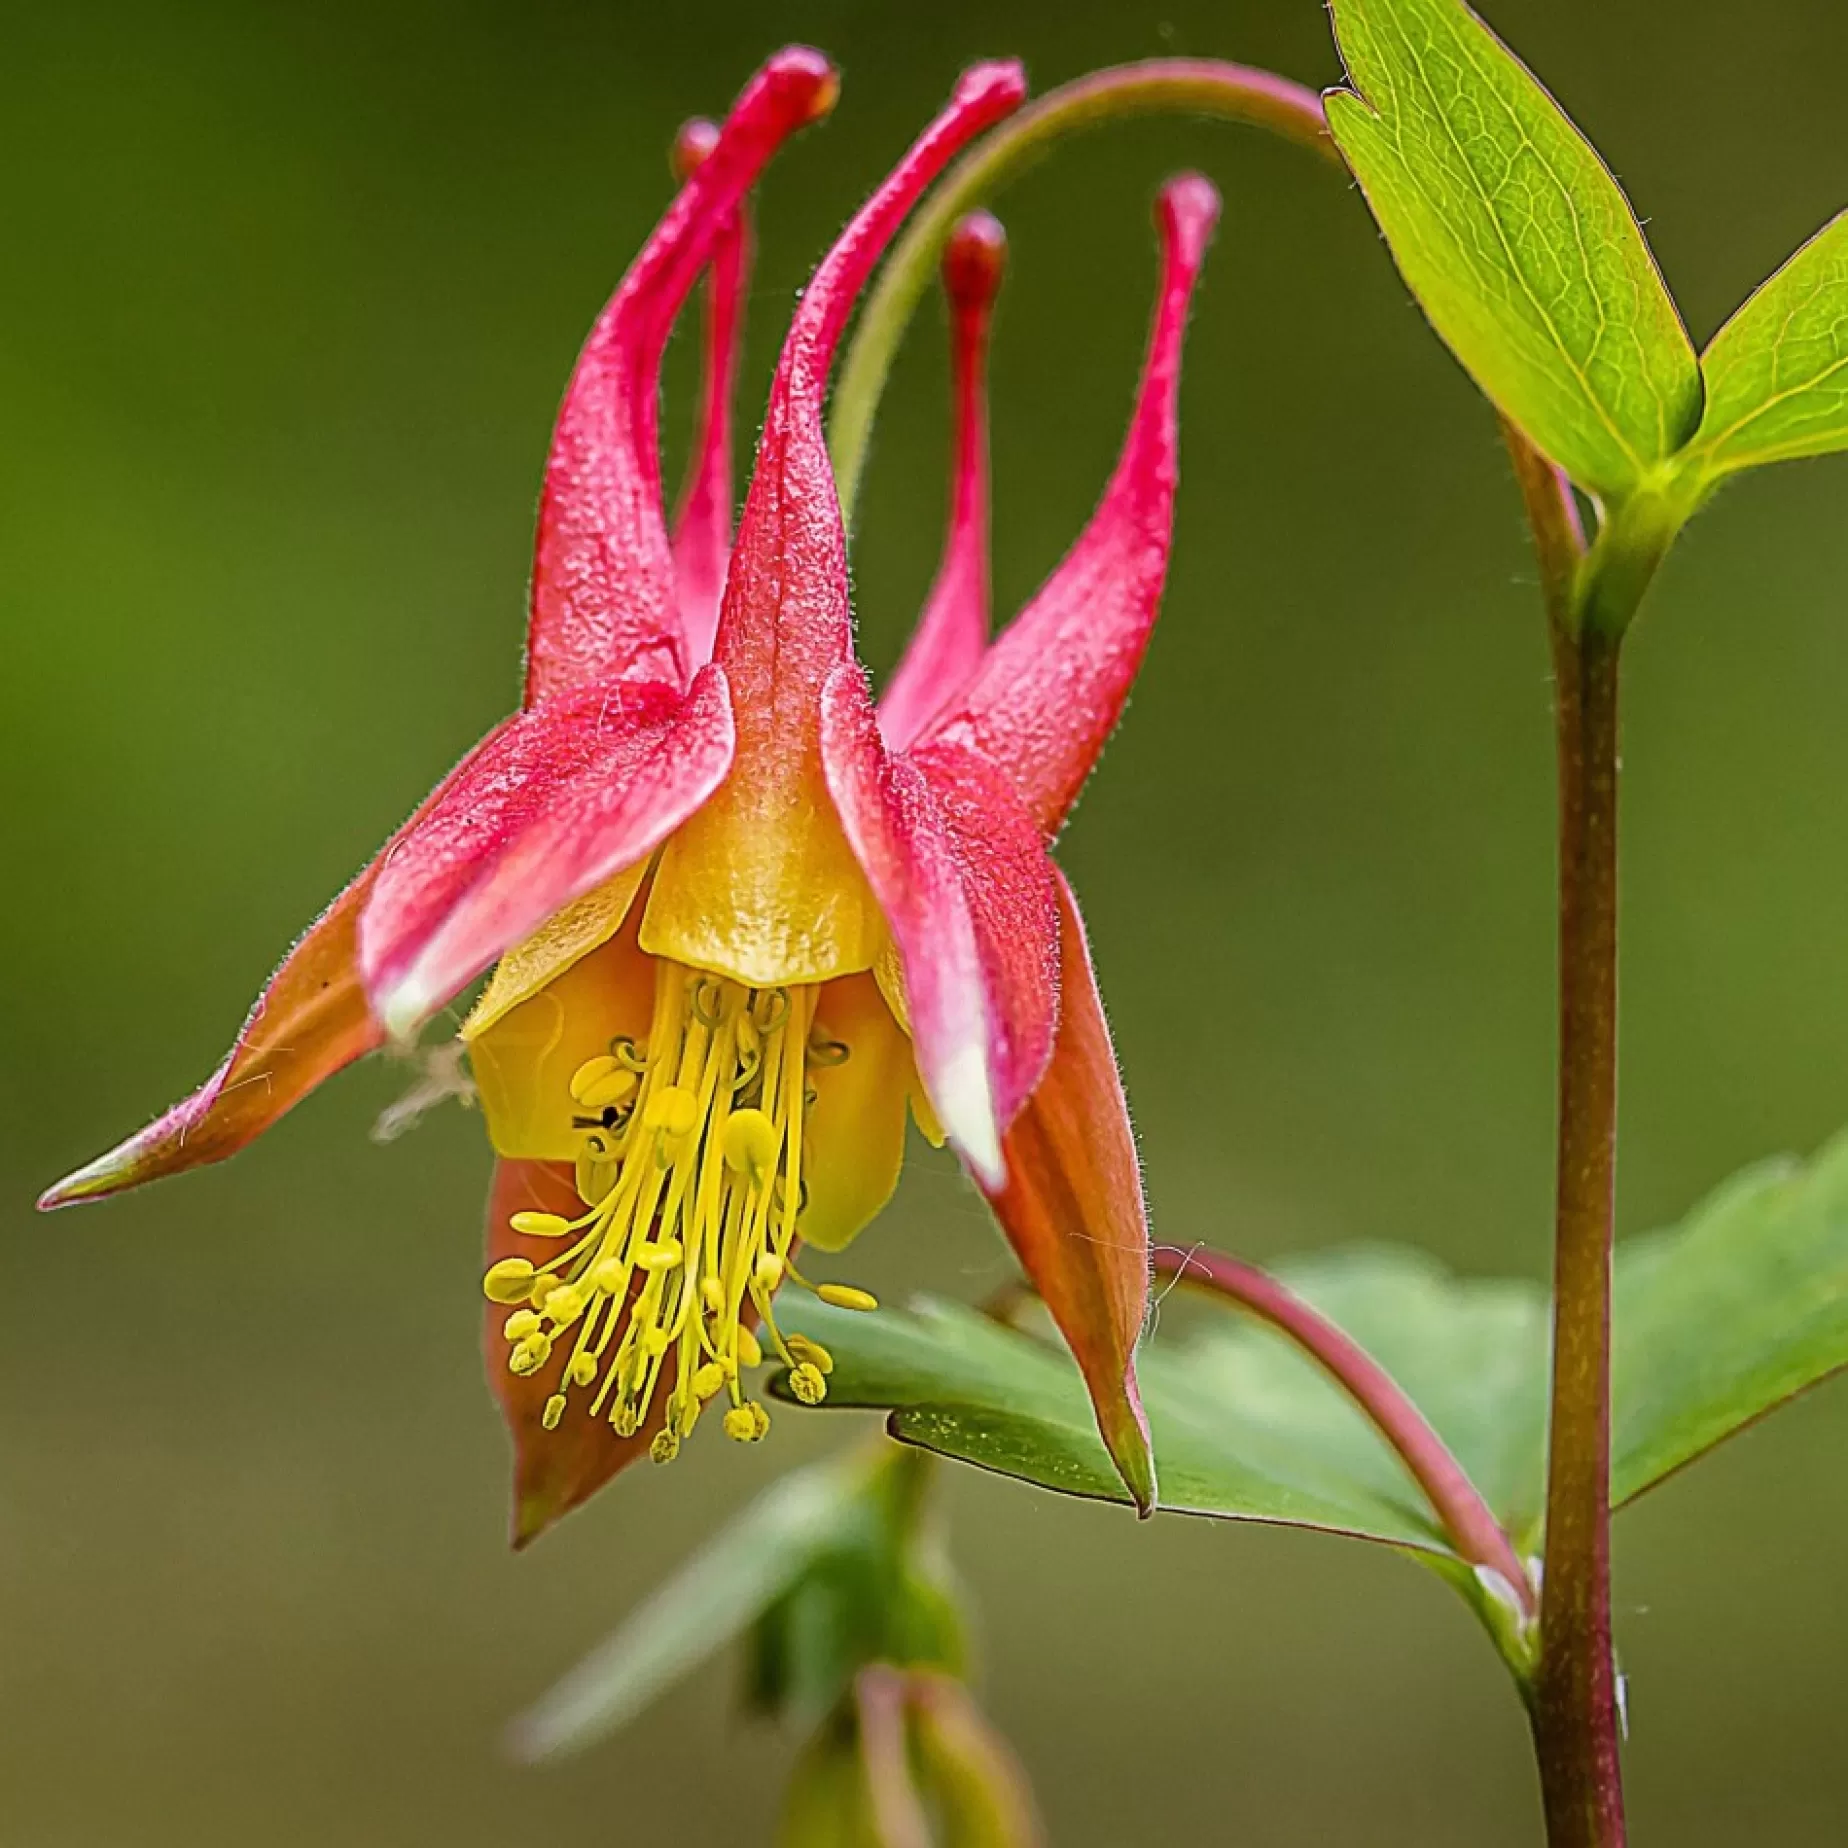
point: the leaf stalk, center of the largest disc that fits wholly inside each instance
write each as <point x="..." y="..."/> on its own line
<point x="1467" y="1520"/>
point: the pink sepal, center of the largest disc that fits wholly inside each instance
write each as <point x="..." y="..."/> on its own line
<point x="310" y="1020"/>
<point x="555" y="802"/>
<point x="1049" y="692"/>
<point x="1072" y="1208"/>
<point x="960" y="872"/>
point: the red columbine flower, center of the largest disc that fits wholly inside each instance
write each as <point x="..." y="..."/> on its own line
<point x="742" y="916"/>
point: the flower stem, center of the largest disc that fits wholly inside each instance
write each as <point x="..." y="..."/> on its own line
<point x="1575" y="1704"/>
<point x="1170" y="86"/>
<point x="1574" y="1709"/>
<point x="1465" y="1517"/>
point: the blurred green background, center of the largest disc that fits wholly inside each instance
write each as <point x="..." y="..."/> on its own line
<point x="293" y="292"/>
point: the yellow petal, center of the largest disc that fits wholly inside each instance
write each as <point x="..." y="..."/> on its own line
<point x="764" y="889"/>
<point x="563" y="939"/>
<point x="856" y="1127"/>
<point x="525" y="1058"/>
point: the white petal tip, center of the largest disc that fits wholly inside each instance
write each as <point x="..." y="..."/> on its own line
<point x="965" y="1106"/>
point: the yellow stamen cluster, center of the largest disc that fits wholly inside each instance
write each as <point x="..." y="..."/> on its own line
<point x="691" y="1167"/>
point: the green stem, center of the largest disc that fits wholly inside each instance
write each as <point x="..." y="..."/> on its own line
<point x="1162" y="86"/>
<point x="1574" y="1707"/>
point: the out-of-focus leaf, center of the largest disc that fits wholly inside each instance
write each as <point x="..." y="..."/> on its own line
<point x="1777" y="372"/>
<point x="1741" y="1307"/>
<point x="1516" y="240"/>
<point x="976" y="1786"/>
<point x="719" y="1592"/>
<point x="1716" y="1322"/>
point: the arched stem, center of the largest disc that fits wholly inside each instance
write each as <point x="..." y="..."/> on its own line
<point x="1162" y="86"/>
<point x="1465" y="1517"/>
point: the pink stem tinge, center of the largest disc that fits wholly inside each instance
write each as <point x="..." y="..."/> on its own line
<point x="1466" y="1518"/>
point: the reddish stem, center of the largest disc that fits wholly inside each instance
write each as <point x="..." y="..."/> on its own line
<point x="1574" y="1709"/>
<point x="1465" y="1517"/>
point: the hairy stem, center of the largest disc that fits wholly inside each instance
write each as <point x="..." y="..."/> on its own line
<point x="1162" y="86"/>
<point x="1464" y="1516"/>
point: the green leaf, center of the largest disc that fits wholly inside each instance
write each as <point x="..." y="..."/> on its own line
<point x="1716" y="1322"/>
<point x="1516" y="240"/>
<point x="1737" y="1310"/>
<point x="719" y="1593"/>
<point x="1245" y="1428"/>
<point x="1777" y="372"/>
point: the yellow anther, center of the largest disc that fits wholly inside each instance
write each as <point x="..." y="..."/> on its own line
<point x="708" y="1380"/>
<point x="554" y="1411"/>
<point x="543" y="1286"/>
<point x="665" y="1448"/>
<point x="672" y="1111"/>
<point x="626" y="1419"/>
<point x="768" y="1270"/>
<point x="665" y="1256"/>
<point x="608" y="1276"/>
<point x="582" y="1370"/>
<point x="508" y="1281"/>
<point x="598" y="1083"/>
<point x="845" y="1296"/>
<point x="595" y="1175"/>
<point x="530" y="1354"/>
<point x="749" y="1353"/>
<point x="712" y="1294"/>
<point x="655" y="1340"/>
<point x="807" y="1384"/>
<point x="566" y="1303"/>
<point x="540" y="1225"/>
<point x="745" y="1424"/>
<point x="802" y="1349"/>
<point x="609" y="1090"/>
<point x="752" y="1143"/>
<point x="520" y="1324"/>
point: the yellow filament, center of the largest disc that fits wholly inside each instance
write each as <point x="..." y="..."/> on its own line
<point x="691" y="1172"/>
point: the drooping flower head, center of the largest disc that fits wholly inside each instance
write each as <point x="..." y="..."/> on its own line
<point x="741" y="917"/>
